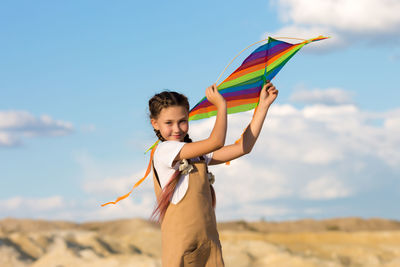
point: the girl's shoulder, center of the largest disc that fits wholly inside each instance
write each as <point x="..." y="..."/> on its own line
<point x="169" y="144"/>
<point x="167" y="147"/>
<point x="167" y="151"/>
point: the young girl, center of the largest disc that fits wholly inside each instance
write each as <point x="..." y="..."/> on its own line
<point x="186" y="199"/>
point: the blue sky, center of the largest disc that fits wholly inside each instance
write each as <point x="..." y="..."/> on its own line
<point x="76" y="76"/>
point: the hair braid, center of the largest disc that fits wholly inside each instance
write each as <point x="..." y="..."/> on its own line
<point x="187" y="139"/>
<point x="160" y="137"/>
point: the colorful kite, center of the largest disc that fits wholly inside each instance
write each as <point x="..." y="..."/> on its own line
<point x="241" y="89"/>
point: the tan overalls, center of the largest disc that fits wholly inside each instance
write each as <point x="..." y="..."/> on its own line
<point x="189" y="229"/>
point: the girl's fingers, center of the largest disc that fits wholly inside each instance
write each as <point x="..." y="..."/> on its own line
<point x="268" y="85"/>
<point x="210" y="93"/>
<point x="274" y="92"/>
<point x="212" y="89"/>
<point x="213" y="95"/>
<point x="264" y="87"/>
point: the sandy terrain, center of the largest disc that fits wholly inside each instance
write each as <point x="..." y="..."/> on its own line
<point x="137" y="242"/>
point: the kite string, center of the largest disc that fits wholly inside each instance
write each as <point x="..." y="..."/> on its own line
<point x="236" y="57"/>
<point x="265" y="72"/>
<point x="219" y="77"/>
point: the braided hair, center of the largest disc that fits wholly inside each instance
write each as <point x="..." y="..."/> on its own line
<point x="163" y="100"/>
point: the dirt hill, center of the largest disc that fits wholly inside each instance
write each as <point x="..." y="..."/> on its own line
<point x="137" y="242"/>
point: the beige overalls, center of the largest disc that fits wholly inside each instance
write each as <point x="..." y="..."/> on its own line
<point x="189" y="229"/>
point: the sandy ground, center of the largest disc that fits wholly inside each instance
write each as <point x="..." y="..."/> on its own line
<point x="137" y="242"/>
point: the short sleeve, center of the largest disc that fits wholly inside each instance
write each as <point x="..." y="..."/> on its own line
<point x="167" y="152"/>
<point x="164" y="156"/>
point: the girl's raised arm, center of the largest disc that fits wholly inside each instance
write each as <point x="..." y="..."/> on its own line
<point x="245" y="145"/>
<point x="218" y="134"/>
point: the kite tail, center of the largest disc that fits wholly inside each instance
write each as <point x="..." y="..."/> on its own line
<point x="153" y="149"/>
<point x="153" y="145"/>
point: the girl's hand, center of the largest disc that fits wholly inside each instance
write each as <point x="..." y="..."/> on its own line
<point x="268" y="94"/>
<point x="216" y="140"/>
<point x="214" y="96"/>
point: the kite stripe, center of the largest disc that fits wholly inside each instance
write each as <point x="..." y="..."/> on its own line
<point x="243" y="86"/>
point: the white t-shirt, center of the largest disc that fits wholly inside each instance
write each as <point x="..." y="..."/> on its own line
<point x="163" y="158"/>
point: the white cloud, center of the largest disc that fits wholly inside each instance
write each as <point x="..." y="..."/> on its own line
<point x="100" y="178"/>
<point x="330" y="96"/>
<point x="15" y="124"/>
<point x="392" y="122"/>
<point x="246" y="182"/>
<point x="140" y="202"/>
<point x="339" y="132"/>
<point x="101" y="186"/>
<point x="344" y="20"/>
<point x="299" y="146"/>
<point x="325" y="188"/>
<point x="335" y="41"/>
<point x="32" y="204"/>
<point x="8" y="140"/>
<point x="113" y="185"/>
<point x="133" y="206"/>
<point x="88" y="209"/>
<point x="26" y="122"/>
<point x="350" y="15"/>
<point x="315" y="153"/>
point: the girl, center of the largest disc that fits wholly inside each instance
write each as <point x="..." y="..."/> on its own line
<point x="185" y="196"/>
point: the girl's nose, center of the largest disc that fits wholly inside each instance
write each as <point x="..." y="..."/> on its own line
<point x="176" y="128"/>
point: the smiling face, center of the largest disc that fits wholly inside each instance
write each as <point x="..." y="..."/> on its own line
<point x="172" y="122"/>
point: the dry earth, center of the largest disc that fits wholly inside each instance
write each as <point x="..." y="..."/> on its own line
<point x="137" y="242"/>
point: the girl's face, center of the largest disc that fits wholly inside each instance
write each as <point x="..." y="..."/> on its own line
<point x="172" y="123"/>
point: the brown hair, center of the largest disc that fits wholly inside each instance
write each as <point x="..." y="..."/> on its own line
<point x="159" y="101"/>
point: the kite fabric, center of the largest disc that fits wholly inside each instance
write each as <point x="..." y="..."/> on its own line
<point x="241" y="89"/>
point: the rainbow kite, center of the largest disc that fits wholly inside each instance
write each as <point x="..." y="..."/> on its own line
<point x="241" y="89"/>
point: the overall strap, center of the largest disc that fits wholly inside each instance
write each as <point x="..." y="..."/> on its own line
<point x="155" y="173"/>
<point x="203" y="159"/>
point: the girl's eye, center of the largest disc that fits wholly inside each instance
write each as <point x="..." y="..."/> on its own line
<point x="168" y="122"/>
